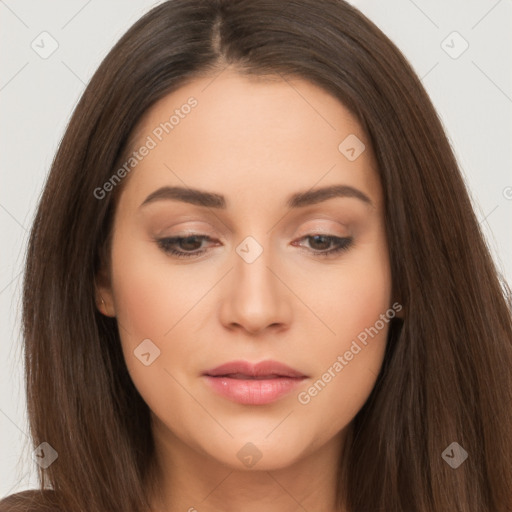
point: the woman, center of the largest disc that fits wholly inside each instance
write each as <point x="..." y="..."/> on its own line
<point x="255" y="280"/>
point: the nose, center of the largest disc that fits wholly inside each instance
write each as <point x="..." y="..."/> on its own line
<point x="255" y="296"/>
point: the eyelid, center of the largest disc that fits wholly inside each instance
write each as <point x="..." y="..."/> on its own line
<point x="340" y="230"/>
<point x="302" y="227"/>
<point x="175" y="231"/>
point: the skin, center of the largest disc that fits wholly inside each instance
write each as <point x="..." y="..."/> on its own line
<point x="255" y="142"/>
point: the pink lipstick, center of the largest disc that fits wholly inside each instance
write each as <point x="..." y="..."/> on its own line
<point x="253" y="384"/>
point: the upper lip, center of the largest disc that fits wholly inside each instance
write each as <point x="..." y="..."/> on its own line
<point x="262" y="369"/>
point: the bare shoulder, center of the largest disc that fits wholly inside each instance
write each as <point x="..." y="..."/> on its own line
<point x="28" y="501"/>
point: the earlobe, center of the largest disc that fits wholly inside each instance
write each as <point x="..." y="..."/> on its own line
<point x="105" y="307"/>
<point x="100" y="305"/>
<point x="104" y="297"/>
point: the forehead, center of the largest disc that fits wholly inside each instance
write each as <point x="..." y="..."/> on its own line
<point x="231" y="132"/>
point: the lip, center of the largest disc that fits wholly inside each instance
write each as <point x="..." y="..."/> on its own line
<point x="253" y="384"/>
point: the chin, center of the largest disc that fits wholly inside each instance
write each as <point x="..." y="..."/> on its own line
<point x="255" y="453"/>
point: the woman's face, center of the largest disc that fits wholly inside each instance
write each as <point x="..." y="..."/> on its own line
<point x="275" y="268"/>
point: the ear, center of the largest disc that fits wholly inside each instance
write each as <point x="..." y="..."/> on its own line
<point x="104" y="295"/>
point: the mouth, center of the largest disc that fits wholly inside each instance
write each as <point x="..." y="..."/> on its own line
<point x="267" y="369"/>
<point x="242" y="376"/>
<point x="253" y="384"/>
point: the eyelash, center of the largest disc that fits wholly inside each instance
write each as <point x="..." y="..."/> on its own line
<point x="345" y="243"/>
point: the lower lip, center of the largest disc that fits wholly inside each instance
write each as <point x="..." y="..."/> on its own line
<point x="253" y="392"/>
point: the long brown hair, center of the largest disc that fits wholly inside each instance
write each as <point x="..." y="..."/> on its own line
<point x="446" y="375"/>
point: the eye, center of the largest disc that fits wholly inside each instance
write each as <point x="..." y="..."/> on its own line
<point x="191" y="245"/>
<point x="187" y="243"/>
<point x="320" y="244"/>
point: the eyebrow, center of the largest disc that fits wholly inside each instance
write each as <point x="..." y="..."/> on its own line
<point x="296" y="200"/>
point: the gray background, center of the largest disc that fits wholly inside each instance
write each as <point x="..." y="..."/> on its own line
<point x="472" y="94"/>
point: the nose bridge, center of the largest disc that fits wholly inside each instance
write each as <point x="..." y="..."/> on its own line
<point x="252" y="276"/>
<point x="255" y="297"/>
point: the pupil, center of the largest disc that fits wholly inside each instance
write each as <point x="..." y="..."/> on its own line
<point x="325" y="245"/>
<point x="191" y="240"/>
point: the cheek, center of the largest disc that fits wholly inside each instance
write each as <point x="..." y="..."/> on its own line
<point x="152" y="303"/>
<point x="349" y="360"/>
<point x="347" y="372"/>
<point x="137" y="300"/>
<point x="354" y="298"/>
<point x="147" y="302"/>
<point x="365" y="295"/>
